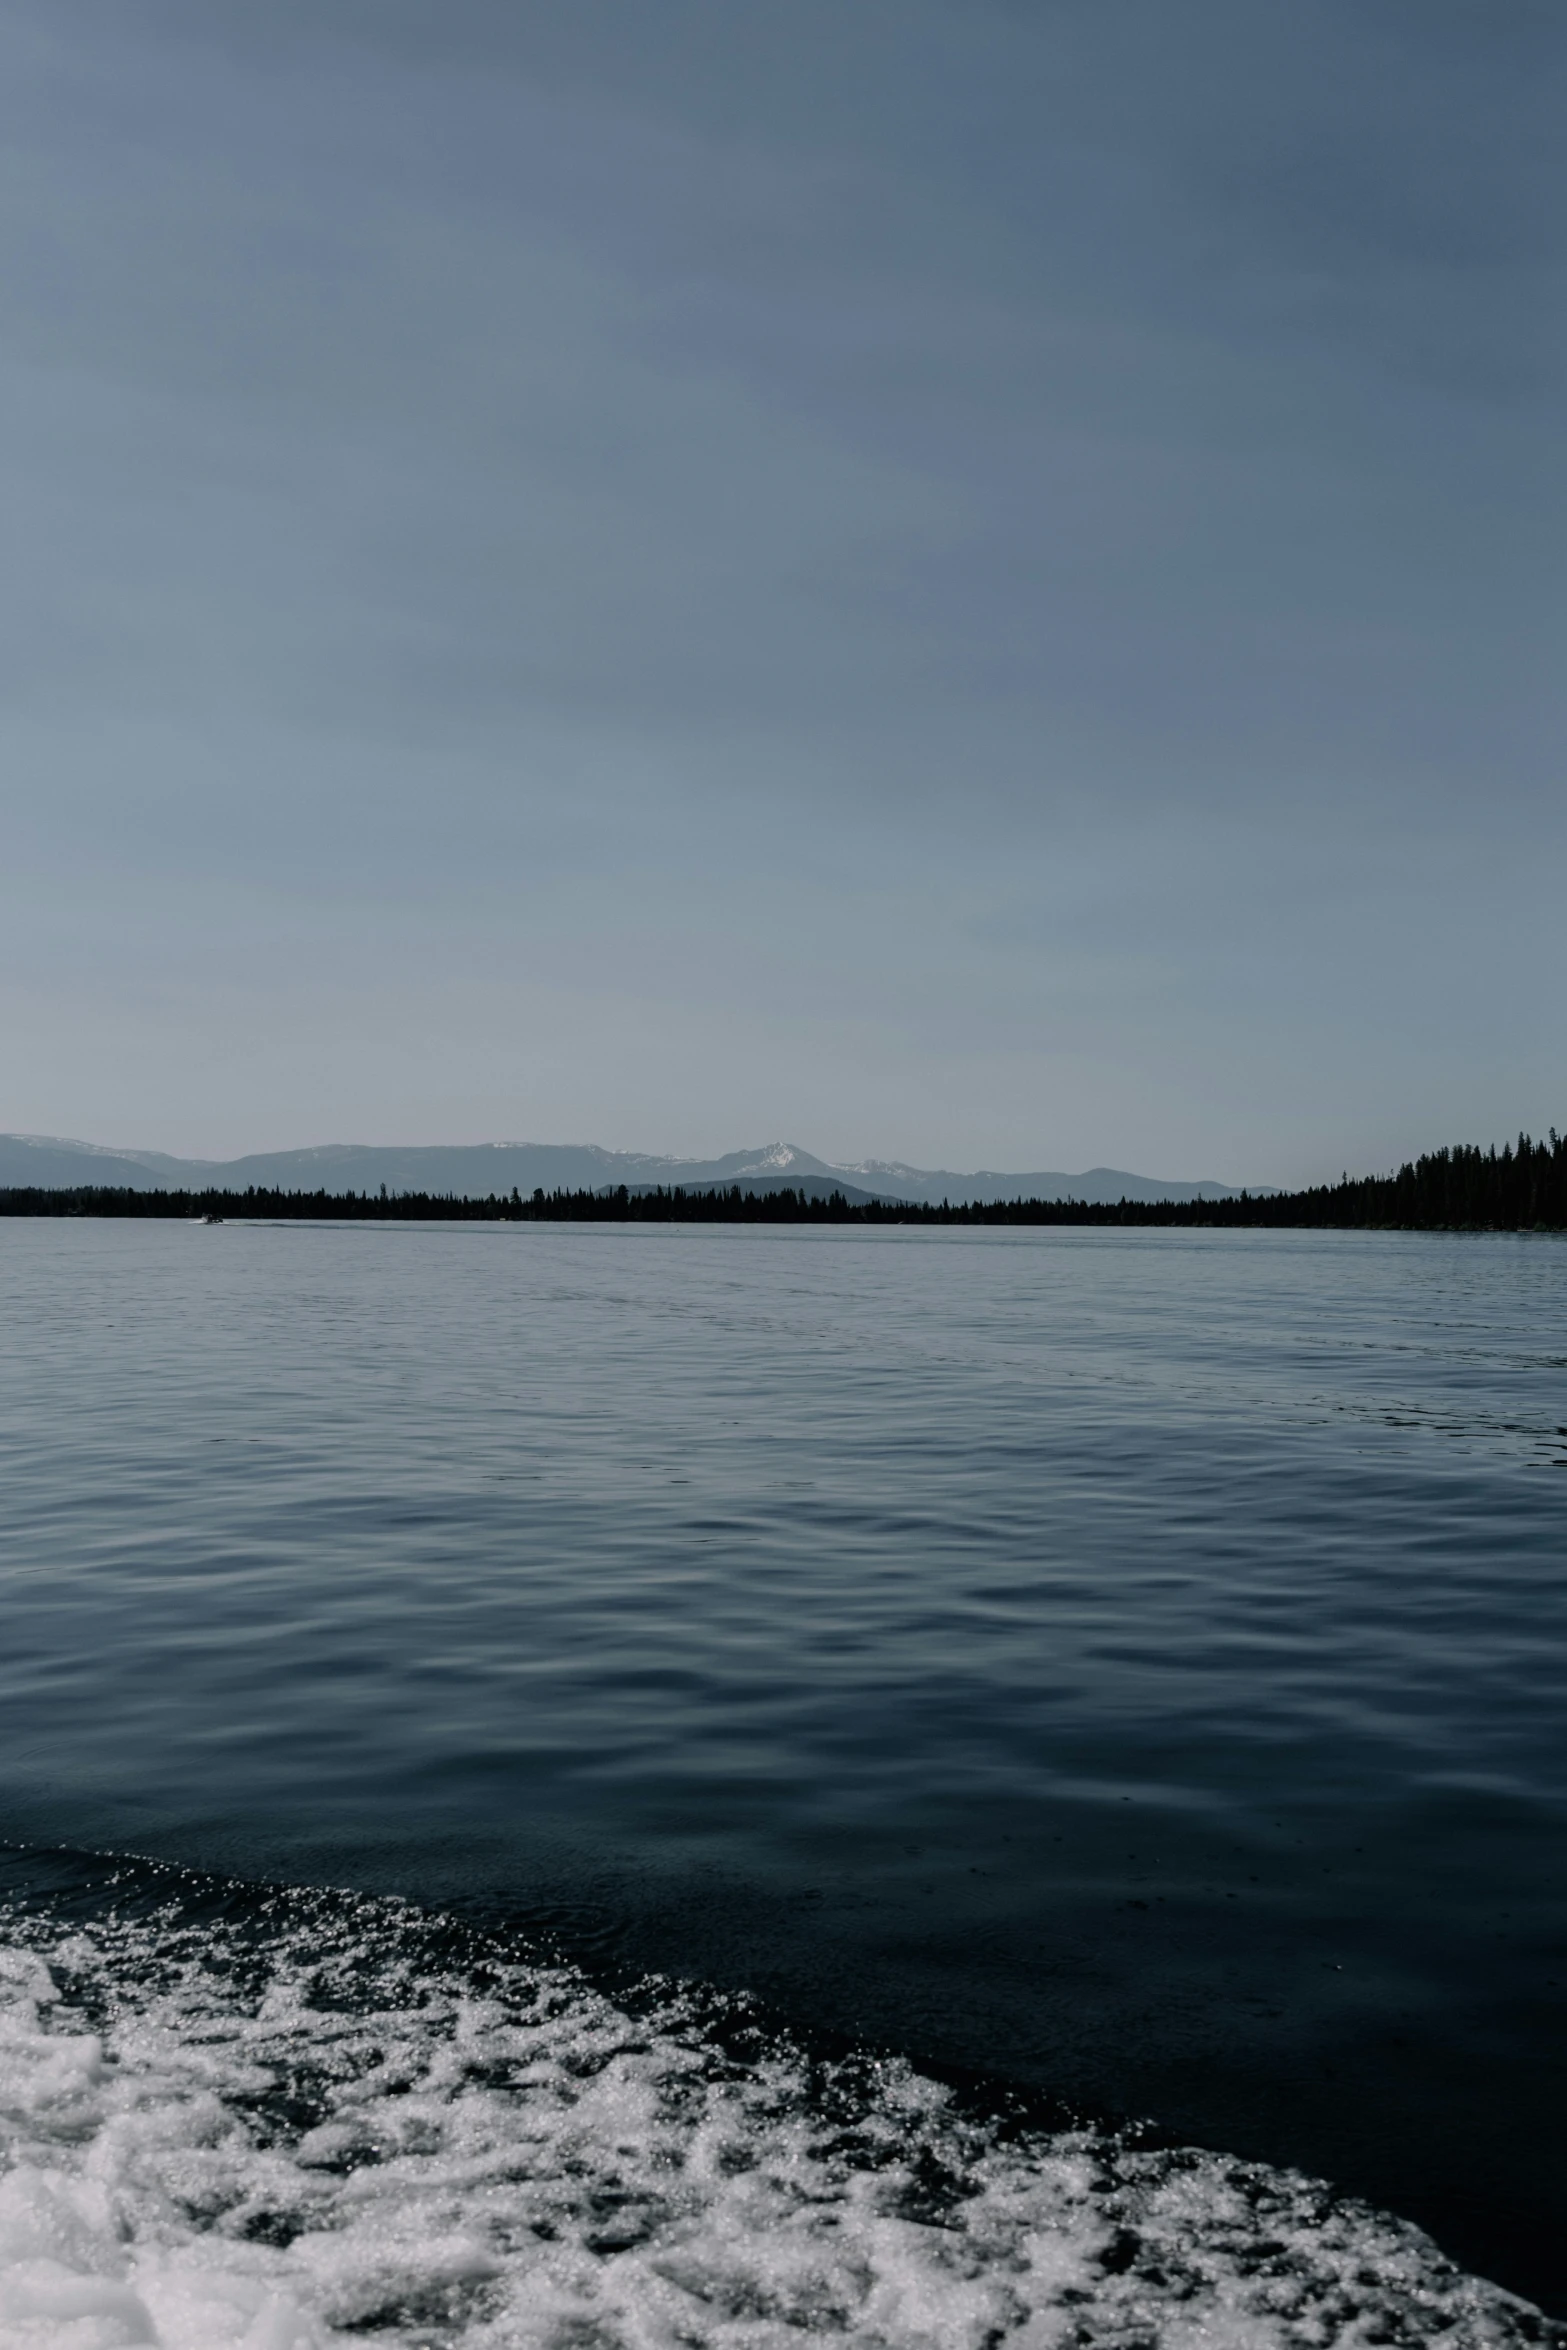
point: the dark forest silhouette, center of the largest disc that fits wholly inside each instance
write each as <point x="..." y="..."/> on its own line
<point x="1521" y="1188"/>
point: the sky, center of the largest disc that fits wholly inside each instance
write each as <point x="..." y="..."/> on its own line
<point x="971" y="581"/>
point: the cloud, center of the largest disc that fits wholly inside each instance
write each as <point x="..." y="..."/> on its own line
<point x="726" y="477"/>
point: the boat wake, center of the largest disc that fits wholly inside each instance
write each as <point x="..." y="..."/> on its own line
<point x="277" y="2121"/>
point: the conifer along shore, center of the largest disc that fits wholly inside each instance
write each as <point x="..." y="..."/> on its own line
<point x="1521" y="1188"/>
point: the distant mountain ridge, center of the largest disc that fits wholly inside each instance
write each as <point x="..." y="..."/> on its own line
<point x="477" y="1169"/>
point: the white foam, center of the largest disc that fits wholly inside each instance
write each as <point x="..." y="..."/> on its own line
<point x="323" y="2130"/>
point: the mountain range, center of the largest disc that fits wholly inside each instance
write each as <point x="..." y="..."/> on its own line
<point x="478" y="1169"/>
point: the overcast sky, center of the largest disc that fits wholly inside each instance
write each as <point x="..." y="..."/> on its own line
<point x="976" y="582"/>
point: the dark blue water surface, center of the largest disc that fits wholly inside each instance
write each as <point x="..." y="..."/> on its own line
<point x="1127" y="1665"/>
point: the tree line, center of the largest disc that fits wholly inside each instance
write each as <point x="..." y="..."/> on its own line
<point x="1521" y="1188"/>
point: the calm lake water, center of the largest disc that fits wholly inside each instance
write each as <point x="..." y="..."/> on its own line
<point x="1009" y="1686"/>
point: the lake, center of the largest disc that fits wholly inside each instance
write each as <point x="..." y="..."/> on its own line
<point x="595" y="1785"/>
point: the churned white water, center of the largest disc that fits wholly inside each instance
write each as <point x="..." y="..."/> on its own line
<point x="327" y="2123"/>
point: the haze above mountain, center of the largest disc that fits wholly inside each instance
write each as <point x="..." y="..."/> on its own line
<point x="478" y="1169"/>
